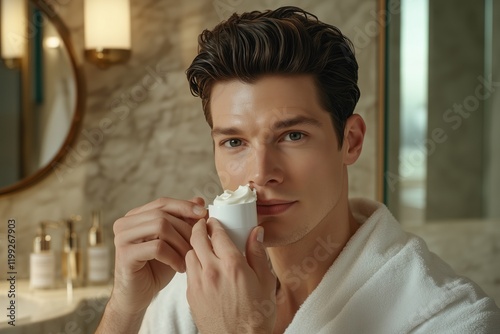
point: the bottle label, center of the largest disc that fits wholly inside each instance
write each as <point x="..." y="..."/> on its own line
<point x="42" y="270"/>
<point x="98" y="264"/>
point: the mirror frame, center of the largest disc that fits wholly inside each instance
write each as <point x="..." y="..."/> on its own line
<point x="76" y="122"/>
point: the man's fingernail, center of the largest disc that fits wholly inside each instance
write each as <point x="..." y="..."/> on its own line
<point x="198" y="210"/>
<point x="260" y="235"/>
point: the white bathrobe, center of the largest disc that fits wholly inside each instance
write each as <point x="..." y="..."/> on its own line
<point x="384" y="281"/>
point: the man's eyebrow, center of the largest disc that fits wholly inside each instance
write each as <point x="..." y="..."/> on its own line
<point x="287" y="123"/>
<point x="279" y="125"/>
<point x="232" y="131"/>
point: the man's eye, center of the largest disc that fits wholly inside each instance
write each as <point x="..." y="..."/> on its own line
<point x="293" y="136"/>
<point x="232" y="143"/>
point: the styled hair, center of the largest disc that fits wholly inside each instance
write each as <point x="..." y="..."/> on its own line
<point x="284" y="41"/>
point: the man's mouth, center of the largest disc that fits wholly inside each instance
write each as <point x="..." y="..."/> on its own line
<point x="273" y="207"/>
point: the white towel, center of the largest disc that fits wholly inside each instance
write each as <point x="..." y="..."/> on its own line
<point x="384" y="281"/>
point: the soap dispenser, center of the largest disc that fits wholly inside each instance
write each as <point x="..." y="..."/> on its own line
<point x="71" y="259"/>
<point x="97" y="253"/>
<point x="42" y="260"/>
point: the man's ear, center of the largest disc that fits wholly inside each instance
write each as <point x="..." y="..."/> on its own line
<point x="354" y="135"/>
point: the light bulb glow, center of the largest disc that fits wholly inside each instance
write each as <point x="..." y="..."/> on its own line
<point x="107" y="24"/>
<point x="13" y="28"/>
<point x="52" y="42"/>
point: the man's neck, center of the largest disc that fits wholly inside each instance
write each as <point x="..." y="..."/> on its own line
<point x="300" y="267"/>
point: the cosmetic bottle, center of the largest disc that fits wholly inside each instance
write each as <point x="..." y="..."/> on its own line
<point x="71" y="257"/>
<point x="97" y="253"/>
<point x="42" y="261"/>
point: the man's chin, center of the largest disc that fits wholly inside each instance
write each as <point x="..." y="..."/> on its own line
<point x="279" y="237"/>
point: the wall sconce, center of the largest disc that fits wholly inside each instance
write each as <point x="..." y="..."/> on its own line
<point x="13" y="30"/>
<point x="107" y="31"/>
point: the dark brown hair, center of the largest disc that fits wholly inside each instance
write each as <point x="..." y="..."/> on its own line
<point x="285" y="41"/>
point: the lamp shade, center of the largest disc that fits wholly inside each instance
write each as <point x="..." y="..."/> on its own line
<point x="13" y="28"/>
<point x="107" y="24"/>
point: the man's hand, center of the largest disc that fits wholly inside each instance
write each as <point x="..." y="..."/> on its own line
<point x="151" y="244"/>
<point x="227" y="292"/>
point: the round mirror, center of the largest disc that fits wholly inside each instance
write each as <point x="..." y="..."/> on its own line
<point x="42" y="101"/>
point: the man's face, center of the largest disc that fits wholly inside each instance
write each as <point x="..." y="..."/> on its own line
<point x="274" y="135"/>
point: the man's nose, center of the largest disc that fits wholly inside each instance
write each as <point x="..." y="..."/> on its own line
<point x="265" y="167"/>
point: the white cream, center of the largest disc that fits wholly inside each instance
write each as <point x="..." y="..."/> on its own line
<point x="237" y="212"/>
<point x="240" y="196"/>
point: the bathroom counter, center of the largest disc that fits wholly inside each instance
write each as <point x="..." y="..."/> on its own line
<point x="52" y="310"/>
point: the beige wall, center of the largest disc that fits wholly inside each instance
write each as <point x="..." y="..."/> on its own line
<point x="143" y="134"/>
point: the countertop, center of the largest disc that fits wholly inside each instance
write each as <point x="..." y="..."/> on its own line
<point x="80" y="307"/>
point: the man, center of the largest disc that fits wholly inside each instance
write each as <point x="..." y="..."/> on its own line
<point x="278" y="89"/>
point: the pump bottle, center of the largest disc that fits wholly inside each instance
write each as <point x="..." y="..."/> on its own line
<point x="71" y="257"/>
<point x="42" y="260"/>
<point x="97" y="253"/>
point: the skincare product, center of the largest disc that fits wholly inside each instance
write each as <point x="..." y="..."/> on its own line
<point x="71" y="257"/>
<point x="98" y="264"/>
<point x="237" y="212"/>
<point x="42" y="261"/>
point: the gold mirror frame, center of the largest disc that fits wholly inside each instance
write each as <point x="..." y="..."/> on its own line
<point x="42" y="172"/>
